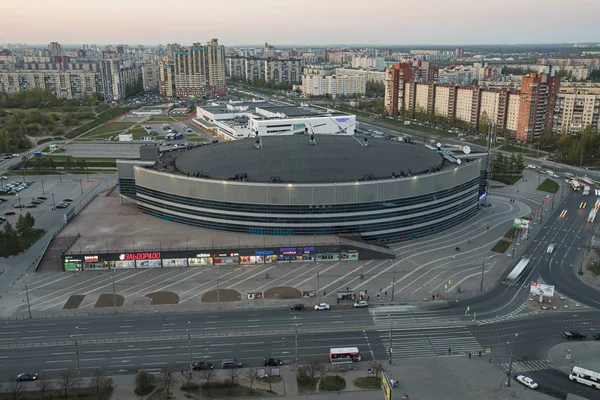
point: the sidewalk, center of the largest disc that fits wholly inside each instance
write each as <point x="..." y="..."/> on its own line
<point x="584" y="354"/>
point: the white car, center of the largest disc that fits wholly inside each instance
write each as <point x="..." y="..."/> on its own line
<point x="361" y="304"/>
<point x="527" y="382"/>
<point x="322" y="306"/>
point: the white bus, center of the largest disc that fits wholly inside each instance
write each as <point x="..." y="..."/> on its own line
<point x="585" y="376"/>
<point x="586" y="190"/>
<point x="517" y="271"/>
<point x="575" y="185"/>
<point x="344" y="354"/>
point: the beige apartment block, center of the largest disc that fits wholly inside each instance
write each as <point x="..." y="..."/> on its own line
<point x="445" y="97"/>
<point x="465" y="98"/>
<point x="512" y="111"/>
<point x="575" y="111"/>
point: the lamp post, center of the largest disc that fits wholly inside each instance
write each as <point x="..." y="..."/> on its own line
<point x="296" y="333"/>
<point x="29" y="305"/>
<point x="218" y="291"/>
<point x="20" y="205"/>
<point x="511" y="360"/>
<point x="81" y="185"/>
<point x="189" y="335"/>
<point x="318" y="286"/>
<point x="394" y="283"/>
<point x="77" y="351"/>
<point x="43" y="192"/>
<point x="53" y="202"/>
<point x="112" y="274"/>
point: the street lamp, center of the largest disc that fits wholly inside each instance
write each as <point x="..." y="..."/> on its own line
<point x="20" y="206"/>
<point x="296" y="333"/>
<point x="394" y="283"/>
<point x="43" y="192"/>
<point x="189" y="344"/>
<point x="511" y="360"/>
<point x="53" y="202"/>
<point x="74" y="337"/>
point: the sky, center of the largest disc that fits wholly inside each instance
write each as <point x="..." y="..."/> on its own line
<point x="287" y="22"/>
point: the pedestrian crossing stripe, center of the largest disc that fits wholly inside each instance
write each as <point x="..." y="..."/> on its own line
<point x="527" y="366"/>
<point x="505" y="318"/>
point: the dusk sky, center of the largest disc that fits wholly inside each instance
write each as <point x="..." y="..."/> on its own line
<point x="279" y="22"/>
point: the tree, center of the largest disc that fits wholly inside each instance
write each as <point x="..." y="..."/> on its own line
<point x="43" y="384"/>
<point x="484" y="123"/>
<point x="232" y="376"/>
<point x="520" y="166"/>
<point x="9" y="239"/>
<point x="377" y="368"/>
<point x="208" y="375"/>
<point x="68" y="163"/>
<point x="68" y="380"/>
<point x="167" y="378"/>
<point x="312" y="368"/>
<point x="101" y="384"/>
<point x="250" y="374"/>
<point x="20" y="225"/>
<point x="14" y="387"/>
<point x="143" y="383"/>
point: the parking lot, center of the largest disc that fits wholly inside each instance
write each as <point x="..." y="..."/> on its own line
<point x="102" y="150"/>
<point x="55" y="189"/>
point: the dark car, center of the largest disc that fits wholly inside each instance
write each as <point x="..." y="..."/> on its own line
<point x="30" y="206"/>
<point x="298" y="307"/>
<point x="27" y="376"/>
<point x="67" y="200"/>
<point x="202" y="365"/>
<point x="42" y="198"/>
<point x="574" y="335"/>
<point x="272" y="362"/>
<point x="231" y="363"/>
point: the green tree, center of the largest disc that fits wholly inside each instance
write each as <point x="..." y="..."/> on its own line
<point x="9" y="239"/>
<point x="520" y="166"/>
<point x="68" y="163"/>
<point x="484" y="123"/>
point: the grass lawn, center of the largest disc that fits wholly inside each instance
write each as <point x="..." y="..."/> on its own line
<point x="138" y="132"/>
<point x="109" y="128"/>
<point x="195" y="139"/>
<point x="506" y="179"/>
<point x="59" y="161"/>
<point x="548" y="186"/>
<point x="332" y="384"/>
<point x="307" y="384"/>
<point x="501" y="246"/>
<point x="223" y="392"/>
<point x="479" y="142"/>
<point x="160" y="118"/>
<point x="180" y="117"/>
<point x="496" y="186"/>
<point x="368" y="382"/>
<point x="510" y="233"/>
<point x="74" y="394"/>
<point x="520" y="149"/>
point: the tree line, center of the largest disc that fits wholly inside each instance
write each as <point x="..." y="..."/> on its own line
<point x="47" y="164"/>
<point x="504" y="165"/>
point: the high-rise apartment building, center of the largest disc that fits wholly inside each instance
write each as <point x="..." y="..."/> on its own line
<point x="116" y="78"/>
<point x="324" y="82"/>
<point x="538" y="98"/>
<point x="577" y="109"/>
<point x="150" y="77"/>
<point x="235" y="66"/>
<point x="445" y="100"/>
<point x="396" y="77"/>
<point x="493" y="105"/>
<point x="166" y="80"/>
<point x="286" y="70"/>
<point x="199" y="70"/>
<point x="55" y="49"/>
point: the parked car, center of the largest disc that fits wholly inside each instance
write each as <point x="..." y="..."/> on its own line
<point x="2" y="219"/>
<point x="9" y="213"/>
<point x="596" y="336"/>
<point x="42" y="197"/>
<point x="272" y="362"/>
<point x="67" y="200"/>
<point x="527" y="382"/>
<point x="297" y="307"/>
<point x="231" y="363"/>
<point x="27" y="376"/>
<point x="574" y="335"/>
<point x="322" y="306"/>
<point x="31" y="205"/>
<point x="202" y="365"/>
<point x="361" y="304"/>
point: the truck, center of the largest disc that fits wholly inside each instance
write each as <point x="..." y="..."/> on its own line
<point x="38" y="154"/>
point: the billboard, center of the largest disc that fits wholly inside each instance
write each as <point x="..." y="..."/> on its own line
<point x="521" y="223"/>
<point x="386" y="387"/>
<point x="541" y="289"/>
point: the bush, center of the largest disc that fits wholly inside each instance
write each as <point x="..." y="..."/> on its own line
<point x="332" y="384"/>
<point x="501" y="246"/>
<point x="144" y="384"/>
<point x="191" y="386"/>
<point x="367" y="382"/>
<point x="306" y="384"/>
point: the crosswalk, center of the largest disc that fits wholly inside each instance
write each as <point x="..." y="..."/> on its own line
<point x="527" y="366"/>
<point x="429" y="342"/>
<point x="518" y="313"/>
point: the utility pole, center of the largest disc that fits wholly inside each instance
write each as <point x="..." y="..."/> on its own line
<point x="218" y="291"/>
<point x="482" y="271"/>
<point x="296" y="333"/>
<point x="81" y="185"/>
<point x="112" y="274"/>
<point x="189" y="344"/>
<point x="581" y="158"/>
<point x="318" y="286"/>
<point x="390" y="344"/>
<point x="511" y="360"/>
<point x="394" y="283"/>
<point x="53" y="203"/>
<point x="43" y="192"/>
<point x="77" y="352"/>
<point x="28" y="304"/>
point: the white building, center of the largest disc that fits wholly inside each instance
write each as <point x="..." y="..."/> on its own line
<point x="575" y="111"/>
<point x="239" y="120"/>
<point x="334" y="85"/>
<point x="377" y="63"/>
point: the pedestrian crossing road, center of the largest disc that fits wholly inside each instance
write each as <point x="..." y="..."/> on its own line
<point x="429" y="342"/>
<point x="527" y="366"/>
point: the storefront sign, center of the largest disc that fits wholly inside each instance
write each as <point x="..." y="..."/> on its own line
<point x="139" y="256"/>
<point x="202" y="255"/>
<point x="263" y="252"/>
<point x="90" y="259"/>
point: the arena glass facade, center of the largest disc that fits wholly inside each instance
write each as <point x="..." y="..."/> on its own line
<point x="383" y="211"/>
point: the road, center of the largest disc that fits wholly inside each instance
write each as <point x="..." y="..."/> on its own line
<point x="126" y="358"/>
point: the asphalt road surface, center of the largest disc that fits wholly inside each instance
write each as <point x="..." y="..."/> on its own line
<point x="154" y="325"/>
<point x="126" y="358"/>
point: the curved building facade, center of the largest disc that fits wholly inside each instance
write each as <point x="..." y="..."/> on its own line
<point x="383" y="210"/>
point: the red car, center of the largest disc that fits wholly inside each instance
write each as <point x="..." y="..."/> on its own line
<point x="9" y="213"/>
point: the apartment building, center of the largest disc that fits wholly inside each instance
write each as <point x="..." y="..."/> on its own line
<point x="445" y="100"/>
<point x="198" y="70"/>
<point x="395" y="79"/>
<point x="71" y="84"/>
<point x="377" y="63"/>
<point x="283" y="70"/>
<point x="512" y="112"/>
<point x="371" y="76"/>
<point x="333" y="85"/>
<point x="166" y="80"/>
<point x="116" y="78"/>
<point x="493" y="104"/>
<point x="467" y="104"/>
<point x="538" y="99"/>
<point x="576" y="110"/>
<point x="235" y="66"/>
<point x="254" y="69"/>
<point x="150" y="77"/>
<point x="424" y="97"/>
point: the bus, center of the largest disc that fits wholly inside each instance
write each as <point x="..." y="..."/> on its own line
<point x="517" y="271"/>
<point x="344" y="354"/>
<point x="585" y="376"/>
<point x="586" y="190"/>
<point x="575" y="185"/>
<point x="586" y="180"/>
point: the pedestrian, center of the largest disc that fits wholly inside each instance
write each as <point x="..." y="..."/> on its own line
<point x="437" y="295"/>
<point x="433" y="297"/>
<point x="181" y="372"/>
<point x="338" y="301"/>
<point x="386" y="292"/>
<point x="324" y="293"/>
<point x="347" y="288"/>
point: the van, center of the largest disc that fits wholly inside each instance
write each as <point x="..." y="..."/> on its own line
<point x="550" y="248"/>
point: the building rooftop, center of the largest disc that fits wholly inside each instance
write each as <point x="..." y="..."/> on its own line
<point x="334" y="159"/>
<point x="290" y="111"/>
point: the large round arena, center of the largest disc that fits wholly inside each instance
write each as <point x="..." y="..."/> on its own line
<point x="379" y="190"/>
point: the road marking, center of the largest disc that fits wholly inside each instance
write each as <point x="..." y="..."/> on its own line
<point x="155" y="363"/>
<point x="166" y="330"/>
<point x="122" y="333"/>
<point x="39" y="331"/>
<point x="125" y="326"/>
<point x="53" y="369"/>
<point x="249" y="343"/>
<point x="33" y="337"/>
<point x="93" y="351"/>
<point x="58" y="361"/>
<point x="121" y="365"/>
<point x="124" y="357"/>
<point x="253" y="326"/>
<point x="211" y="322"/>
<point x="210" y="328"/>
<point x="93" y="359"/>
<point x="129" y="349"/>
<point x="8" y="333"/>
<point x="160" y="348"/>
<point x="63" y="354"/>
<point x="168" y="324"/>
<point x="254" y="320"/>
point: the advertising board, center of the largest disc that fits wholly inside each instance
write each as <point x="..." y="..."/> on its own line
<point x="542" y="289"/>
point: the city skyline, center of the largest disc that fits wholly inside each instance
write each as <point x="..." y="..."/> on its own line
<point x="241" y="23"/>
